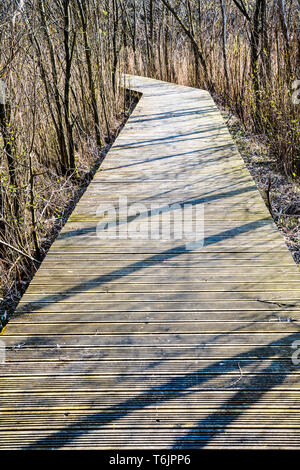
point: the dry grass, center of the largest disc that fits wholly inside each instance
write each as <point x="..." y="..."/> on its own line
<point x="56" y="198"/>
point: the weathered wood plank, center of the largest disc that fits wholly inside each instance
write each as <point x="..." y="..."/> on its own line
<point x="34" y="353"/>
<point x="168" y="368"/>
<point x="59" y="339"/>
<point x="150" y="307"/>
<point x="149" y="439"/>
<point x="197" y="400"/>
<point x="57" y="286"/>
<point x="148" y="385"/>
<point x="211" y="316"/>
<point x="86" y="327"/>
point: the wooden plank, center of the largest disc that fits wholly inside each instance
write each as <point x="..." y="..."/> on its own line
<point x="36" y="353"/>
<point x="151" y="343"/>
<point x="214" y="244"/>
<point x="103" y="297"/>
<point x="197" y="400"/>
<point x="100" y="316"/>
<point x="150" y="307"/>
<point x="168" y="368"/>
<point x="147" y="385"/>
<point x="156" y="438"/>
<point x="86" y="327"/>
<point x="57" y="286"/>
<point x="165" y="264"/>
<point x="59" y="339"/>
<point x="73" y="276"/>
<point x="76" y="419"/>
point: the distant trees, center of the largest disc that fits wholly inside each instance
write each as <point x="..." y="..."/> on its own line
<point x="246" y="53"/>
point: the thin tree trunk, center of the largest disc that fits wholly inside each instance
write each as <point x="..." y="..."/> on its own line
<point x="224" y="40"/>
<point x="69" y="48"/>
<point x="83" y="17"/>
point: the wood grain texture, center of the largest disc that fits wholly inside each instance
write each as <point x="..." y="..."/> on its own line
<point x="150" y="342"/>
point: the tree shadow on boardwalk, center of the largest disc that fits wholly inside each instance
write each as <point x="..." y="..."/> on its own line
<point x="254" y="385"/>
<point x="187" y="165"/>
<point x="262" y="383"/>
<point x="134" y="267"/>
<point x="171" y="114"/>
<point x="204" y="199"/>
<point x="170" y="139"/>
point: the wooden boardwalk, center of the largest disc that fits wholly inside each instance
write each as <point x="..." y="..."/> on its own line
<point x="137" y="343"/>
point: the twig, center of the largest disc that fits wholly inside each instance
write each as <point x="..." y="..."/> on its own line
<point x="267" y="190"/>
<point x="14" y="264"/>
<point x="240" y="377"/>
<point x="19" y="251"/>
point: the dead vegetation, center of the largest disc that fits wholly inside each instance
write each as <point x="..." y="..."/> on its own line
<point x="280" y="193"/>
<point x="62" y="103"/>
